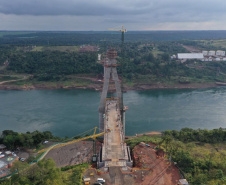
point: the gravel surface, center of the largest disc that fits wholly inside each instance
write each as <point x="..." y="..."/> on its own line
<point x="76" y="153"/>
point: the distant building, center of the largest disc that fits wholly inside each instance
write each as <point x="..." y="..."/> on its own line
<point x="99" y="57"/>
<point x="205" y="53"/>
<point x="211" y="53"/>
<point x="6" y="162"/>
<point x="185" y="56"/>
<point x="3" y="167"/>
<point x="218" y="59"/>
<point x="220" y="53"/>
<point x="173" y="57"/>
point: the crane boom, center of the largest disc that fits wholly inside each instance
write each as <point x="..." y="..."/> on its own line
<point x="122" y="30"/>
<point x="94" y="136"/>
<point x="122" y="38"/>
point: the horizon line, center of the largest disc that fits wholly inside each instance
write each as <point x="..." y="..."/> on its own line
<point x="96" y="30"/>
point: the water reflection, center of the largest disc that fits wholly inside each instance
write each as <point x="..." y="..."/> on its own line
<point x="163" y="92"/>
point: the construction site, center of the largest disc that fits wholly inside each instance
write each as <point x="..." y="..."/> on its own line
<point x="112" y="160"/>
<point x="117" y="164"/>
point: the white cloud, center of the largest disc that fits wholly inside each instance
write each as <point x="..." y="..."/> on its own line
<point x="102" y="14"/>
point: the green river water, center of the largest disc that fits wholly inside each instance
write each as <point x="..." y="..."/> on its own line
<point x="70" y="112"/>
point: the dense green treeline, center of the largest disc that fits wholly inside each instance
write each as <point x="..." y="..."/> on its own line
<point x="5" y="52"/>
<point x="91" y="37"/>
<point x="141" y="60"/>
<point x="189" y="135"/>
<point x="171" y="48"/>
<point x="201" y="163"/>
<point x="200" y="155"/>
<point x="50" y="65"/>
<point x="12" y="139"/>
<point x="45" y="172"/>
<point x="138" y="60"/>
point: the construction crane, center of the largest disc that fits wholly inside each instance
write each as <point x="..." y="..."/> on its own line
<point x="123" y="32"/>
<point x="61" y="144"/>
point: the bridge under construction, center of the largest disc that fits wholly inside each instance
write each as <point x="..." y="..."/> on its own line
<point x="114" y="151"/>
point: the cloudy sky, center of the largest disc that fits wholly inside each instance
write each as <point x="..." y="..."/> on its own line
<point x="78" y="15"/>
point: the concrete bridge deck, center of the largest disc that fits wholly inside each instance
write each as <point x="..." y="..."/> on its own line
<point x="114" y="149"/>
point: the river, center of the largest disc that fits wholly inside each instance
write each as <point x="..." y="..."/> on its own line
<point x="70" y="112"/>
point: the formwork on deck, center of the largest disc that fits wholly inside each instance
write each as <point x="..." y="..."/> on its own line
<point x="114" y="150"/>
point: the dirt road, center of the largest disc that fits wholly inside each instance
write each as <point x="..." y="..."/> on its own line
<point x="24" y="78"/>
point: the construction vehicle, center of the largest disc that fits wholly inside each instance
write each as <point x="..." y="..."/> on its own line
<point x="86" y="180"/>
<point x="61" y="144"/>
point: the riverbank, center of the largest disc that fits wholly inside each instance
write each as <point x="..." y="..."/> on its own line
<point x="153" y="133"/>
<point x="98" y="86"/>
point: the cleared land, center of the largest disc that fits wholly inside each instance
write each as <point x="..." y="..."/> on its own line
<point x="73" y="154"/>
<point x="158" y="169"/>
<point x="192" y="49"/>
<point x="57" y="48"/>
<point x="149" y="170"/>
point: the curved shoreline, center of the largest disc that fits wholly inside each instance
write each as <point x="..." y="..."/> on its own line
<point x="98" y="87"/>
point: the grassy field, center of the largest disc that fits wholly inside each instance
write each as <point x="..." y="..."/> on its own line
<point x="53" y="84"/>
<point x="156" y="52"/>
<point x="216" y="43"/>
<point x="219" y="43"/>
<point x="57" y="48"/>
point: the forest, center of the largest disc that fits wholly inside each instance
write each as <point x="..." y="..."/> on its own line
<point x="94" y="37"/>
<point x="45" y="173"/>
<point x="53" y="56"/>
<point x="52" y="65"/>
<point x="200" y="155"/>
<point x="12" y="140"/>
<point x="140" y="60"/>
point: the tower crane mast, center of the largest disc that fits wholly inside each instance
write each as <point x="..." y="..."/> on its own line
<point x="123" y="32"/>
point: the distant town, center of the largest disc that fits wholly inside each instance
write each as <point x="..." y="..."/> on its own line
<point x="218" y="55"/>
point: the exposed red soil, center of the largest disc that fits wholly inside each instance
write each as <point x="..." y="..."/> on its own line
<point x="158" y="169"/>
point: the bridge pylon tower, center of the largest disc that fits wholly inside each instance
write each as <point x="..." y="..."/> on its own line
<point x="110" y="74"/>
